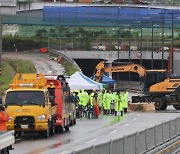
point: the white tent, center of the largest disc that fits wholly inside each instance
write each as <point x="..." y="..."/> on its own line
<point x="80" y="81"/>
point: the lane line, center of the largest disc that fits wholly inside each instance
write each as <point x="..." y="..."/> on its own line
<point x="138" y="114"/>
<point x="126" y="125"/>
<point x="91" y="140"/>
<point x="63" y="152"/>
<point x="113" y="131"/>
<point x="134" y="119"/>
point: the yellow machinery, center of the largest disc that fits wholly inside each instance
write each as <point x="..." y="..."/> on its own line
<point x="158" y="88"/>
<point x="29" y="105"/>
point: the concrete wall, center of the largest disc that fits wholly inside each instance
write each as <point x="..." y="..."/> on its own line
<point x="113" y="55"/>
<point x="177" y="63"/>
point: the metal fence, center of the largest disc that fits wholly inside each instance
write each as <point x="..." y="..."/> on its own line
<point x="145" y="141"/>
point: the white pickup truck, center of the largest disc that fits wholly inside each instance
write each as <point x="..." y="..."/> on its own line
<point x="6" y="141"/>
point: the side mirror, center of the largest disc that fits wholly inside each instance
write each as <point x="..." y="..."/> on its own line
<point x="1" y="100"/>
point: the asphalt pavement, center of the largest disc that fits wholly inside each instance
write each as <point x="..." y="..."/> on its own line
<point x="88" y="132"/>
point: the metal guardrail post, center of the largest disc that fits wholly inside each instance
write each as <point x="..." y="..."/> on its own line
<point x="136" y="145"/>
<point x="124" y="143"/>
<point x="155" y="137"/>
<point x="169" y="122"/>
<point x="163" y="132"/>
<point x="146" y="142"/>
<point x="176" y="127"/>
<point x="110" y="147"/>
<point x="92" y="151"/>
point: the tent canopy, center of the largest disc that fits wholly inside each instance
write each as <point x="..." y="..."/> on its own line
<point x="107" y="80"/>
<point x="79" y="81"/>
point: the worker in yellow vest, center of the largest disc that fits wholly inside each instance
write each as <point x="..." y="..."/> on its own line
<point x="100" y="100"/>
<point x="108" y="105"/>
<point x="104" y="101"/>
<point x="92" y="95"/>
<point x="119" y="104"/>
<point x="113" y="101"/>
<point x="125" y="101"/>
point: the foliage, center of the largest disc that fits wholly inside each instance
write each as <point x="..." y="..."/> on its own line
<point x="10" y="67"/>
<point x="69" y="68"/>
<point x="6" y="76"/>
<point x="11" y="43"/>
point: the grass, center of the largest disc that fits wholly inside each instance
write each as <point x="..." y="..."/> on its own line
<point x="69" y="68"/>
<point x="9" y="68"/>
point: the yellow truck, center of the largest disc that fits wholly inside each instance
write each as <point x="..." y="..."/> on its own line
<point x="29" y="105"/>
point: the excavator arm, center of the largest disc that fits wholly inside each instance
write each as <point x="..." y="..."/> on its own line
<point x="101" y="69"/>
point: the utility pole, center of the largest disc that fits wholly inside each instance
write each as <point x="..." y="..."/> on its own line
<point x="172" y="44"/>
<point x="0" y="43"/>
<point x="152" y="57"/>
<point x="162" y="64"/>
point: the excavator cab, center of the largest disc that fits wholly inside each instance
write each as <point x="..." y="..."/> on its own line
<point x="153" y="77"/>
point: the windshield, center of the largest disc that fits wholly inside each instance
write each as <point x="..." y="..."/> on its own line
<point x="25" y="98"/>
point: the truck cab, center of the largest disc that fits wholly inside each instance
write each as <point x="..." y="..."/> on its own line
<point x="29" y="105"/>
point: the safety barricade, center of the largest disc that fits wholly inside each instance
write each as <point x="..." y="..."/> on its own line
<point x="162" y="138"/>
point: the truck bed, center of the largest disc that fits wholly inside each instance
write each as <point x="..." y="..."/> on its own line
<point x="6" y="138"/>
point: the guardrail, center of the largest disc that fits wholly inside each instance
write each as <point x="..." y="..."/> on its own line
<point x="145" y="141"/>
<point x="65" y="57"/>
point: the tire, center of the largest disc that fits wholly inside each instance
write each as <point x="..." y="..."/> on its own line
<point x="177" y="107"/>
<point x="74" y="121"/>
<point x="159" y="103"/>
<point x="165" y="107"/>
<point x="4" y="151"/>
<point x="137" y="100"/>
<point x="59" y="129"/>
<point x="52" y="130"/>
<point x="71" y="122"/>
<point x="66" y="128"/>
<point x="46" y="133"/>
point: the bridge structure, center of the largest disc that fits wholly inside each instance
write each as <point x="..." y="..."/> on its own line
<point x="101" y="15"/>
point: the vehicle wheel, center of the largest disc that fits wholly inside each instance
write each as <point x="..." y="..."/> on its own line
<point x="18" y="134"/>
<point x="136" y="100"/>
<point x="71" y="122"/>
<point x="165" y="107"/>
<point x="59" y="129"/>
<point x="159" y="103"/>
<point x="74" y="121"/>
<point x="4" y="151"/>
<point x="177" y="107"/>
<point x="66" y="128"/>
<point x="52" y="132"/>
<point x="46" y="133"/>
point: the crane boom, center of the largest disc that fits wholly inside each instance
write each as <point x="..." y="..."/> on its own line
<point x="101" y="69"/>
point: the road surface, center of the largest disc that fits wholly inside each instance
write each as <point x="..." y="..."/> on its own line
<point x="41" y="61"/>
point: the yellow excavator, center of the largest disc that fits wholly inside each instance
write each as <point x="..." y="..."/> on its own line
<point x="159" y="87"/>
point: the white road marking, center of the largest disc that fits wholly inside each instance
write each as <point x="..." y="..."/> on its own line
<point x="113" y="131"/>
<point x="126" y="125"/>
<point x="63" y="152"/>
<point x="134" y="119"/>
<point x="91" y="140"/>
<point x="138" y="114"/>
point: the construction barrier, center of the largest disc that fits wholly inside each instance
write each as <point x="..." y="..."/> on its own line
<point x="162" y="138"/>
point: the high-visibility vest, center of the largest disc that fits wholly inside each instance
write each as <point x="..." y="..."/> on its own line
<point x="125" y="100"/>
<point x="105" y="100"/>
<point x="109" y="98"/>
<point x="91" y="97"/>
<point x="100" y="98"/>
